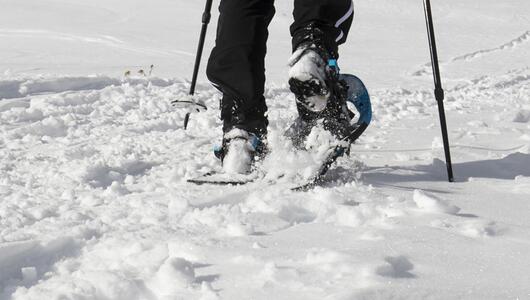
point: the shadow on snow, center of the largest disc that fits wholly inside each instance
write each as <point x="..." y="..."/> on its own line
<point x="507" y="168"/>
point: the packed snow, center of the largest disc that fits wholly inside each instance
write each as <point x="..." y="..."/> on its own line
<point x="94" y="161"/>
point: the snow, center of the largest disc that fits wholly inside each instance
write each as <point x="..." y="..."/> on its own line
<point x="94" y="202"/>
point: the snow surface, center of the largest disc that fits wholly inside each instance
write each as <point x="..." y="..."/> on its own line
<point x="94" y="202"/>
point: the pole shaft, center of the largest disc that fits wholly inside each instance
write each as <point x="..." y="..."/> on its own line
<point x="206" y="16"/>
<point x="438" y="90"/>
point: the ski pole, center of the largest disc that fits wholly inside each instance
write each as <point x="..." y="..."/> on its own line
<point x="206" y="17"/>
<point x="438" y="90"/>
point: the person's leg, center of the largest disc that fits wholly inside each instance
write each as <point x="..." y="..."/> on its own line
<point x="326" y="20"/>
<point x="236" y="65"/>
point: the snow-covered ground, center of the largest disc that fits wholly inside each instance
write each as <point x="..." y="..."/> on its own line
<point x="94" y="202"/>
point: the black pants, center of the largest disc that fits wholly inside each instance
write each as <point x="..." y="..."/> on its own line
<point x="237" y="63"/>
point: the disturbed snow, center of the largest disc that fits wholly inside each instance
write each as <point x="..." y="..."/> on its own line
<point x="95" y="202"/>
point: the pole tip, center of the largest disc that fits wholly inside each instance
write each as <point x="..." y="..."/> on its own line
<point x="186" y="120"/>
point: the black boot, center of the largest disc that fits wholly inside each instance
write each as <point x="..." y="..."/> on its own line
<point x="320" y="94"/>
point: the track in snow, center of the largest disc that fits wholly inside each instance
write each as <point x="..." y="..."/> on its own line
<point x="95" y="202"/>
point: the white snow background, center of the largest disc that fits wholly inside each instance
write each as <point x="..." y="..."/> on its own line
<point x="94" y="202"/>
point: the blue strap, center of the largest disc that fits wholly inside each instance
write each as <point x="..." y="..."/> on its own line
<point x="255" y="141"/>
<point x="332" y="63"/>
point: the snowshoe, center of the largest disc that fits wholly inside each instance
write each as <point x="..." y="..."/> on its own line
<point x="338" y="119"/>
<point x="322" y="94"/>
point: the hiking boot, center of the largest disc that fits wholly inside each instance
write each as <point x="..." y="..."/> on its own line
<point x="239" y="151"/>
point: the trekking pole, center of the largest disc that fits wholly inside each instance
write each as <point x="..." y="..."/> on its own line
<point x="206" y="17"/>
<point x="438" y="90"/>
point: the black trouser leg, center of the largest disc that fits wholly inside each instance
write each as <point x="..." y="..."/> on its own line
<point x="236" y="65"/>
<point x="326" y="20"/>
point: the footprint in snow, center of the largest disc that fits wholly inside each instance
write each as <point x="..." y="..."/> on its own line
<point x="396" y="267"/>
<point x="471" y="228"/>
<point x="475" y="228"/>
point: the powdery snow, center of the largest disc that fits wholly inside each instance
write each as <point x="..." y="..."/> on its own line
<point x="94" y="202"/>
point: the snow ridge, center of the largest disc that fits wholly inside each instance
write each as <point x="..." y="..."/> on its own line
<point x="523" y="38"/>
